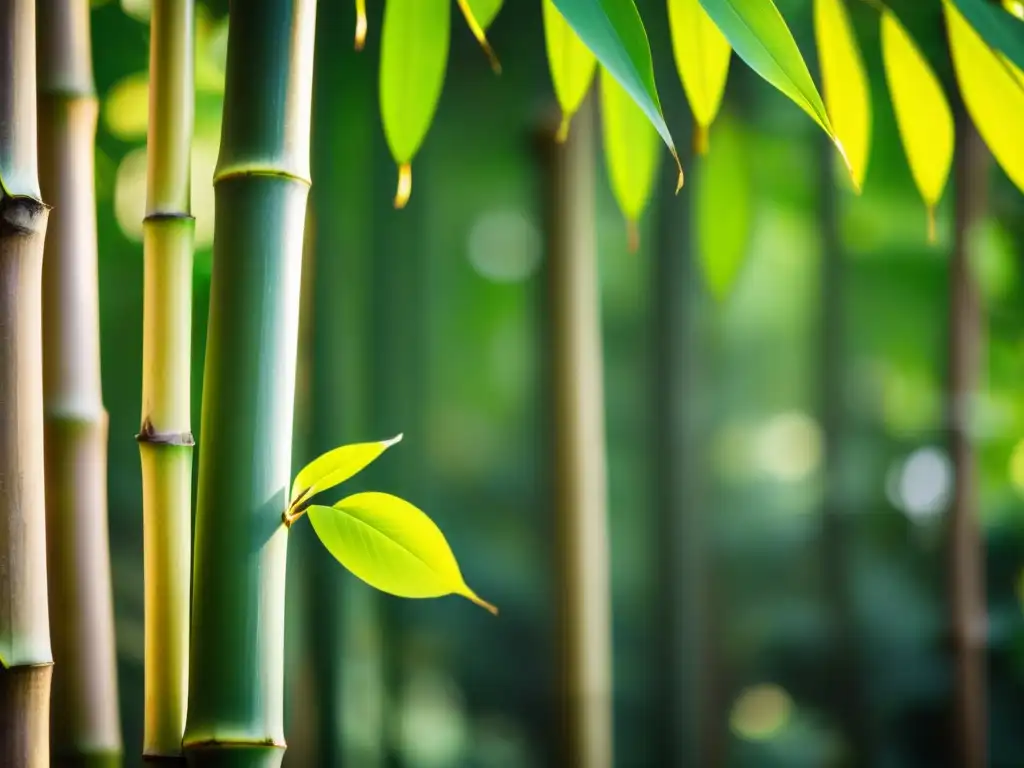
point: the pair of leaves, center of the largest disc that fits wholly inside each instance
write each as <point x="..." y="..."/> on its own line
<point x="413" y="59"/>
<point x="382" y="539"/>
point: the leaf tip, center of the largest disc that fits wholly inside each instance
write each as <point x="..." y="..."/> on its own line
<point x="404" y="190"/>
<point x="481" y="37"/>
<point x="474" y="598"/>
<point x="679" y="165"/>
<point x="393" y="441"/>
<point x="632" y="235"/>
<point x="700" y="139"/>
<point x="360" y="24"/>
<point x="932" y="227"/>
<point x="563" y="129"/>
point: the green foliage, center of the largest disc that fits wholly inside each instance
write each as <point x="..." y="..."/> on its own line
<point x="335" y="467"/>
<point x="996" y="27"/>
<point x="612" y="29"/>
<point x="392" y="546"/>
<point x="570" y="62"/>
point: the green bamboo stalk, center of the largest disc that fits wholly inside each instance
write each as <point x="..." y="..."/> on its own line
<point x="25" y="658"/>
<point x="236" y="685"/>
<point x="165" y="437"/>
<point x="579" y="450"/>
<point x="85" y="722"/>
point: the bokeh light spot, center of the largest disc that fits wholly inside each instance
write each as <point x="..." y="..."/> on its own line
<point x="789" y="446"/>
<point x="760" y="712"/>
<point x="504" y="246"/>
<point x="923" y="483"/>
<point x="126" y="107"/>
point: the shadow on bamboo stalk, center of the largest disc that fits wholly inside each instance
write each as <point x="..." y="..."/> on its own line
<point x="25" y="657"/>
<point x="86" y="726"/>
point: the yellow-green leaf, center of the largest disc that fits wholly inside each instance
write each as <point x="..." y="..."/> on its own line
<point x="392" y="546"/>
<point x="413" y="59"/>
<point x="360" y="24"/>
<point x="570" y="62"/>
<point x="993" y="91"/>
<point x="631" y="151"/>
<point x="702" y="57"/>
<point x="335" y="467"/>
<point x="922" y="113"/>
<point x="845" y="84"/>
<point x="477" y="23"/>
<point x="723" y="184"/>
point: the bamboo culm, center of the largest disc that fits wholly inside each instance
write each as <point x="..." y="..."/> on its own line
<point x="165" y="436"/>
<point x="236" y="685"/>
<point x="25" y="654"/>
<point x="85" y="721"/>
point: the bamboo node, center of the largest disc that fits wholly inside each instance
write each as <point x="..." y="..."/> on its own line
<point x="147" y="434"/>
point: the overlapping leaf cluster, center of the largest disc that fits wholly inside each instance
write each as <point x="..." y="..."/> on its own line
<point x="986" y="44"/>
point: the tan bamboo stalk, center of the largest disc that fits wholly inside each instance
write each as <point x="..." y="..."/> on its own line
<point x="579" y="450"/>
<point x="25" y="659"/>
<point x="165" y="436"/>
<point x="968" y="612"/>
<point x="85" y="725"/>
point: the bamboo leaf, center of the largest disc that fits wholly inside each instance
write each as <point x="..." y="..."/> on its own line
<point x="723" y="184"/>
<point x="570" y="62"/>
<point x="392" y="546"/>
<point x="413" y="59"/>
<point x="631" y="152"/>
<point x="759" y="35"/>
<point x="335" y="467"/>
<point x="477" y="26"/>
<point x="996" y="25"/>
<point x="993" y="92"/>
<point x="845" y="84"/>
<point x="612" y="29"/>
<point x="702" y="58"/>
<point x="922" y="113"/>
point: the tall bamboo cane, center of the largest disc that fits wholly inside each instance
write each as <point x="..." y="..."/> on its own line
<point x="25" y="659"/>
<point x="165" y="437"/>
<point x="236" y="686"/>
<point x="85" y="706"/>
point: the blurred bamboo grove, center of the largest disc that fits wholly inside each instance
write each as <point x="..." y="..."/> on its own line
<point x="742" y="466"/>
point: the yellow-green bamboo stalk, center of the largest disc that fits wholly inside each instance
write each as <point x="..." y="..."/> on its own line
<point x="236" y="680"/>
<point x="25" y="660"/>
<point x="85" y="724"/>
<point x="579" y="451"/>
<point x="165" y="437"/>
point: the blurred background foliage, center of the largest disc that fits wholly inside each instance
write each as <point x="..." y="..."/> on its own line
<point x="431" y="321"/>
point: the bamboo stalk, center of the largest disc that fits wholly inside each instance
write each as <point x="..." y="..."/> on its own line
<point x="579" y="450"/>
<point x="85" y="705"/>
<point x="165" y="437"/>
<point x="236" y="685"/>
<point x="25" y="656"/>
<point x="968" y="610"/>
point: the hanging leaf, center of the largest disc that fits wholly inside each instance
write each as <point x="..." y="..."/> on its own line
<point x="845" y="84"/>
<point x="477" y="25"/>
<point x="996" y="25"/>
<point x="631" y="152"/>
<point x="993" y="92"/>
<point x="392" y="546"/>
<point x="612" y="29"/>
<point x="922" y="113"/>
<point x="571" y="63"/>
<point x="723" y="184"/>
<point x="413" y="58"/>
<point x="360" y="24"/>
<point x="759" y="35"/>
<point x="702" y="57"/>
<point x="335" y="467"/>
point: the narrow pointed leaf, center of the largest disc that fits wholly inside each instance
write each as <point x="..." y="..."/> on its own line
<point x="571" y="63"/>
<point x="631" y="151"/>
<point x="413" y="58"/>
<point x="392" y="546"/>
<point x="922" y="113"/>
<point x="997" y="26"/>
<point x="845" y="84"/>
<point x="612" y="29"/>
<point x="759" y="35"/>
<point x="478" y="27"/>
<point x="724" y="184"/>
<point x="702" y="58"/>
<point x="993" y="92"/>
<point x="335" y="467"/>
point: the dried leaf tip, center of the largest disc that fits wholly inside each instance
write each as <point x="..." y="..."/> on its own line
<point x="481" y="37"/>
<point x="932" y="226"/>
<point x="476" y="599"/>
<point x="404" y="190"/>
<point x="700" y="139"/>
<point x="563" y="129"/>
<point x="632" y="236"/>
<point x="679" y="165"/>
<point x="393" y="441"/>
<point x="360" y="24"/>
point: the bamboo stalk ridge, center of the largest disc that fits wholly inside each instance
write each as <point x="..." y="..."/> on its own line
<point x="165" y="435"/>
<point x="85" y="720"/>
<point x="25" y="654"/>
<point x="579" y="446"/>
<point x="236" y="685"/>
